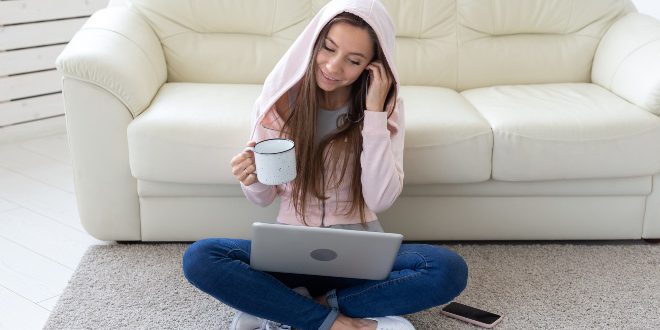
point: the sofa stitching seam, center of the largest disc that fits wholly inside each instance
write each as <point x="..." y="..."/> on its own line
<point x="628" y="56"/>
<point x="458" y="48"/>
<point x="464" y="139"/>
<point x="105" y="88"/>
<point x="574" y="141"/>
<point x="419" y="29"/>
<point x="272" y="22"/>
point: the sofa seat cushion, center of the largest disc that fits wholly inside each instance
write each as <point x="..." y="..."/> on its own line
<point x="447" y="140"/>
<point x="567" y="131"/>
<point x="190" y="132"/>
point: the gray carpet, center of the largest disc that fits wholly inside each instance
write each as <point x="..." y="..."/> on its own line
<point x="561" y="285"/>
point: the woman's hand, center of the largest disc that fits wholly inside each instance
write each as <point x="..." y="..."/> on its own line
<point x="379" y="85"/>
<point x="242" y="166"/>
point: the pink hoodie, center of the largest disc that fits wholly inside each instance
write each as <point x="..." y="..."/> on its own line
<point x="382" y="154"/>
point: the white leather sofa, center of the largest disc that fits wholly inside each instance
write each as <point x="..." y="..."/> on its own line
<point x="524" y="119"/>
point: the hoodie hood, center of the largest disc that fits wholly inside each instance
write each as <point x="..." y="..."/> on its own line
<point x="291" y="67"/>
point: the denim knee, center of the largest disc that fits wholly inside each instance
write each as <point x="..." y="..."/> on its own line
<point x="196" y="257"/>
<point x="451" y="272"/>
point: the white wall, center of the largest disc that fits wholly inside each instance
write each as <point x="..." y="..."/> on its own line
<point x="649" y="7"/>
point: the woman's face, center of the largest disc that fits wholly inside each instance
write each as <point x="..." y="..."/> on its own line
<point x="343" y="56"/>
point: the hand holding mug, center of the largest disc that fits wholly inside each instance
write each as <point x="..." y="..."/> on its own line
<point x="271" y="162"/>
<point x="243" y="166"/>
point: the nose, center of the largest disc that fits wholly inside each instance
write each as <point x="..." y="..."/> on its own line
<point x="332" y="66"/>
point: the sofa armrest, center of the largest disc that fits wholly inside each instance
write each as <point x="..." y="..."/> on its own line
<point x="627" y="61"/>
<point x="118" y="51"/>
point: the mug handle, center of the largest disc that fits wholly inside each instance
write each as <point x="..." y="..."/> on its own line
<point x="252" y="149"/>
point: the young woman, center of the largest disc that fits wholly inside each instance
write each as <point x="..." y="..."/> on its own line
<point x="342" y="111"/>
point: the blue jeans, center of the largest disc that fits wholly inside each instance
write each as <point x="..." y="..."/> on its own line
<point x="423" y="276"/>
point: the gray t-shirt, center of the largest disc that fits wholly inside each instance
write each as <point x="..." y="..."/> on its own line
<point x="369" y="226"/>
<point x="326" y="123"/>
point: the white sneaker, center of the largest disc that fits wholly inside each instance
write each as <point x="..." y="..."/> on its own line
<point x="392" y="323"/>
<point x="272" y="325"/>
<point x="245" y="321"/>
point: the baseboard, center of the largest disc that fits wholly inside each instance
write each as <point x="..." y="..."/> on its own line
<point x="33" y="129"/>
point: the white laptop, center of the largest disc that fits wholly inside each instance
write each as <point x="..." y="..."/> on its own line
<point x="323" y="251"/>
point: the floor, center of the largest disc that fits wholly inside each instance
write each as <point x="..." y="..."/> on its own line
<point x="41" y="238"/>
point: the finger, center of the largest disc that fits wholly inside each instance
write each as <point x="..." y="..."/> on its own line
<point x="241" y="157"/>
<point x="238" y="169"/>
<point x="250" y="169"/>
<point x="246" y="172"/>
<point x="383" y="72"/>
<point x="237" y="160"/>
<point x="375" y="71"/>
<point x="242" y="176"/>
<point x="247" y="162"/>
<point x="252" y="178"/>
<point x="246" y="151"/>
<point x="244" y="154"/>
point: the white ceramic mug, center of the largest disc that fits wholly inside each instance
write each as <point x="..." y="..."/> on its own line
<point x="275" y="160"/>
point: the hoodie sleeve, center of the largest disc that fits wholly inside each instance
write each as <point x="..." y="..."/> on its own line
<point x="259" y="193"/>
<point x="382" y="157"/>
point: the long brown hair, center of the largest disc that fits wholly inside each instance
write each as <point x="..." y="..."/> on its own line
<point x="346" y="141"/>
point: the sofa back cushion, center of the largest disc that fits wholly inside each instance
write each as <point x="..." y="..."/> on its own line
<point x="503" y="42"/>
<point x="426" y="50"/>
<point x="459" y="44"/>
<point x="224" y="41"/>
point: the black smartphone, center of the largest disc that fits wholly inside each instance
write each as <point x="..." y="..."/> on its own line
<point x="472" y="315"/>
<point x="365" y="81"/>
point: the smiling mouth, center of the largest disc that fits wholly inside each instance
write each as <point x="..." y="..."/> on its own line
<point x="327" y="77"/>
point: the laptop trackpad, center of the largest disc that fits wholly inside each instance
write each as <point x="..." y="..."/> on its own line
<point x="323" y="254"/>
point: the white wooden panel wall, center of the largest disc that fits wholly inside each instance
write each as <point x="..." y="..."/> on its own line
<point x="32" y="35"/>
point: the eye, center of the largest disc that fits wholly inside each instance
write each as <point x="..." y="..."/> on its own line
<point x="328" y="49"/>
<point x="354" y="62"/>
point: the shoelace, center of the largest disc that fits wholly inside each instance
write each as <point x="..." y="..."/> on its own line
<point x="272" y="325"/>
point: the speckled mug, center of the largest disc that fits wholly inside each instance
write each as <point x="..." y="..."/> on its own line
<point x="275" y="160"/>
